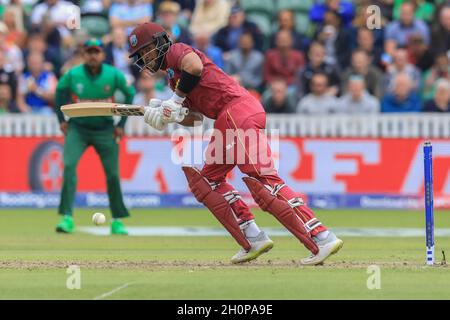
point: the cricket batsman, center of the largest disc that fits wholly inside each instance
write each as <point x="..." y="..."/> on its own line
<point x="204" y="89"/>
<point x="92" y="81"/>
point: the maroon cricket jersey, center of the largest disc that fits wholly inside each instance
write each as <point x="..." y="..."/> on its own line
<point x="215" y="90"/>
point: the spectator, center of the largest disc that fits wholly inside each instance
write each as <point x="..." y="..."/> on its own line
<point x="21" y="10"/>
<point x="401" y="65"/>
<point x="440" y="69"/>
<point x="50" y="18"/>
<point x="423" y="9"/>
<point x="357" y="99"/>
<point x="399" y="31"/>
<point x="7" y="104"/>
<point x="344" y="8"/>
<point x="419" y="53"/>
<point x="168" y="13"/>
<point x="227" y="38"/>
<point x="318" y="101"/>
<point x="203" y="43"/>
<point x="441" y="99"/>
<point x="36" y="87"/>
<point x="283" y="61"/>
<point x="8" y="76"/>
<point x="146" y="90"/>
<point x="13" y="19"/>
<point x="336" y="40"/>
<point x="365" y="40"/>
<point x="361" y="66"/>
<point x="286" y="21"/>
<point x="317" y="64"/>
<point x="129" y="14"/>
<point x="53" y="60"/>
<point x="440" y="37"/>
<point x="117" y="51"/>
<point x="13" y="55"/>
<point x="187" y="7"/>
<point x="278" y="100"/>
<point x="247" y="63"/>
<point x="403" y="98"/>
<point x="209" y="16"/>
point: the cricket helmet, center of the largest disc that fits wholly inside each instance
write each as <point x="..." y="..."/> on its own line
<point x="144" y="35"/>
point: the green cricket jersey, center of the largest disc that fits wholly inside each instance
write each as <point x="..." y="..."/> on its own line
<point x="79" y="85"/>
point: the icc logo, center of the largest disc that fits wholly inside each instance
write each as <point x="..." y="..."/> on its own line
<point x="133" y="40"/>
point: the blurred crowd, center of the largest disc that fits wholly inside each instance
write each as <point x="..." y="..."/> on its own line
<point x="295" y="56"/>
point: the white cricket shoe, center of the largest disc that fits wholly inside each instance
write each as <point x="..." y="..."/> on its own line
<point x="327" y="247"/>
<point x="260" y="244"/>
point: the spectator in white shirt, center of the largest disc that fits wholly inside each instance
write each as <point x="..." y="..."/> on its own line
<point x="13" y="54"/>
<point x="210" y="15"/>
<point x="53" y="18"/>
<point x="318" y="101"/>
<point x="357" y="99"/>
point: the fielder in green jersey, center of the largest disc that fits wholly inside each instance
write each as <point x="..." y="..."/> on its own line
<point x="92" y="81"/>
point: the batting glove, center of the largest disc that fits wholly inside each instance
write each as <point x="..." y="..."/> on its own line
<point x="154" y="103"/>
<point x="172" y="109"/>
<point x="153" y="115"/>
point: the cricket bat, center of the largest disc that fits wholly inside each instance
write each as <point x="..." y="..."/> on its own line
<point x="91" y="109"/>
<point x="94" y="109"/>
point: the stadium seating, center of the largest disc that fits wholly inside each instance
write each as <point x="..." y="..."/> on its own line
<point x="262" y="6"/>
<point x="294" y="5"/>
<point x="96" y="25"/>
<point x="303" y="24"/>
<point x="263" y="21"/>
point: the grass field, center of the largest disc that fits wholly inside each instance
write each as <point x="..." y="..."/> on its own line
<point x="34" y="260"/>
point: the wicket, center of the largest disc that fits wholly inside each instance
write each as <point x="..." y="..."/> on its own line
<point x="429" y="216"/>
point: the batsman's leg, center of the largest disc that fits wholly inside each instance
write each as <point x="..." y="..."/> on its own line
<point x="274" y="196"/>
<point x="322" y="245"/>
<point x="75" y="144"/>
<point x="227" y="206"/>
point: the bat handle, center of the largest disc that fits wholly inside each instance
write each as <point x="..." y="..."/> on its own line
<point x="184" y="111"/>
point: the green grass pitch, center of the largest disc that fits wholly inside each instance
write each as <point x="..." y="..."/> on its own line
<point x="34" y="260"/>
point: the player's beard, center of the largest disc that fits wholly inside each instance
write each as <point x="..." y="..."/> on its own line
<point x="93" y="65"/>
<point x="155" y="64"/>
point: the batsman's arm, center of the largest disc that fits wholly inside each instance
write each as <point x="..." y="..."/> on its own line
<point x="129" y="93"/>
<point x="192" y="119"/>
<point x="191" y="67"/>
<point x="62" y="95"/>
<point x="191" y="71"/>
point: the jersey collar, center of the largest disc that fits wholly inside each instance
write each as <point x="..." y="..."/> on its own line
<point x="88" y="71"/>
